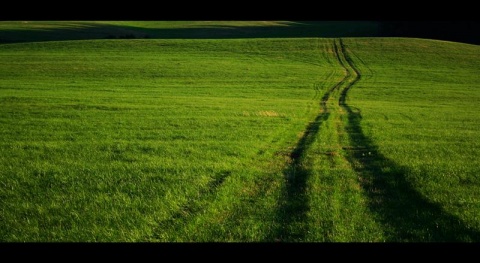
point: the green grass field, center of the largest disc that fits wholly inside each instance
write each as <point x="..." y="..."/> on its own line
<point x="276" y="139"/>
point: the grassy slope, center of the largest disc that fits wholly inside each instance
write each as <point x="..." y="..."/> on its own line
<point x="417" y="99"/>
<point x="108" y="140"/>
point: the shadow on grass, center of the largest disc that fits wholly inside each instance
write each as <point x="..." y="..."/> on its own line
<point x="410" y="216"/>
<point x="56" y="31"/>
<point x="407" y="215"/>
<point x="189" y="210"/>
<point x="294" y="203"/>
<point x="31" y="31"/>
<point x="59" y="31"/>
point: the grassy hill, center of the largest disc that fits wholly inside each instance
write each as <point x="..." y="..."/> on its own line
<point x="249" y="139"/>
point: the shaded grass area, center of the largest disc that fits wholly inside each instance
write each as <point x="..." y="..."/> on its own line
<point x="408" y="216"/>
<point x="34" y="31"/>
<point x="28" y="31"/>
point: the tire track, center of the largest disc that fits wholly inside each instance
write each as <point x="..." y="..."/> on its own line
<point x="406" y="214"/>
<point x="294" y="202"/>
<point x="188" y="211"/>
<point x="352" y="74"/>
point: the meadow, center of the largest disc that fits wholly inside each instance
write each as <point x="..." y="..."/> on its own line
<point x="274" y="139"/>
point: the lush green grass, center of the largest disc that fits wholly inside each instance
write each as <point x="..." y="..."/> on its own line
<point x="109" y="140"/>
<point x="324" y="140"/>
<point x="417" y="100"/>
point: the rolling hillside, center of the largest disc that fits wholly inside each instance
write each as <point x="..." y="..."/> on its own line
<point x="278" y="139"/>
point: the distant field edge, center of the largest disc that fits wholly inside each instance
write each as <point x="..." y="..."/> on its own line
<point x="39" y="31"/>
